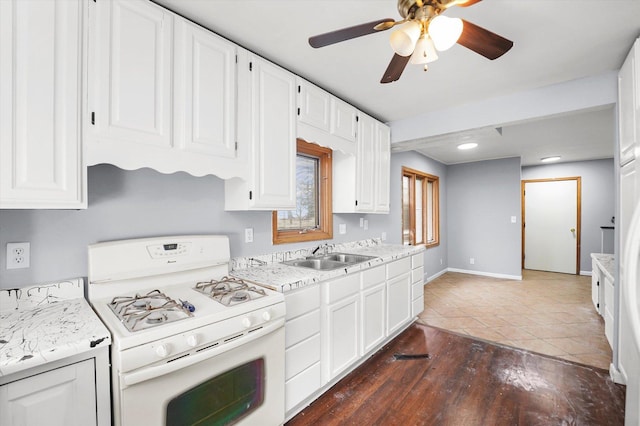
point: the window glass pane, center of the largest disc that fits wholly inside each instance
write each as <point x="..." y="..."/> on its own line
<point x="430" y="212"/>
<point x="306" y="215"/>
<point x="406" y="211"/>
<point x="419" y="210"/>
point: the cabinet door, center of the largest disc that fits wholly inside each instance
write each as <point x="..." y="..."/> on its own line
<point x="314" y="106"/>
<point x="204" y="91"/>
<point x="40" y="90"/>
<point x="398" y="302"/>
<point x="273" y="136"/>
<point x="342" y="337"/>
<point x="130" y="93"/>
<point x="373" y="317"/>
<point x="628" y="105"/>
<point x="595" y="287"/>
<point x="383" y="164"/>
<point x="628" y="187"/>
<point x="365" y="164"/>
<point x="344" y="120"/>
<point x="65" y="396"/>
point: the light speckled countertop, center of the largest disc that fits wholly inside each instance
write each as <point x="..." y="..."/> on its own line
<point x="607" y="263"/>
<point x="46" y="323"/>
<point x="283" y="278"/>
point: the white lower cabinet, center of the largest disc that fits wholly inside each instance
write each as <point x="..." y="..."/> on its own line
<point x="417" y="284"/>
<point x="596" y="287"/>
<point x="373" y="300"/>
<point x="302" y="342"/>
<point x="65" y="396"/>
<point x="340" y="328"/>
<point x="608" y="310"/>
<point x="398" y="294"/>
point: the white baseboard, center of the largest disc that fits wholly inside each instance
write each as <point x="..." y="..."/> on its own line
<point x="436" y="275"/>
<point x="618" y="376"/>
<point x="486" y="274"/>
<point x="587" y="273"/>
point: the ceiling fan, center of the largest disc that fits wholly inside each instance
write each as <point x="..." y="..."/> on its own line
<point x="422" y="30"/>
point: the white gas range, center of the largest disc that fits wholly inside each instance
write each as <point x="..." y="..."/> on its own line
<point x="190" y="345"/>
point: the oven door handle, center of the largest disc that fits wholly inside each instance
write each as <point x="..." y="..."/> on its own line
<point x="129" y="379"/>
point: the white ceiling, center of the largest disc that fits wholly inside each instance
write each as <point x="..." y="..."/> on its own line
<point x="554" y="41"/>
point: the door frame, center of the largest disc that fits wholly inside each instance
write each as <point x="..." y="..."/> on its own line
<point x="578" y="180"/>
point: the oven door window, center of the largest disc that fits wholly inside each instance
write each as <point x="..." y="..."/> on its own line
<point x="221" y="400"/>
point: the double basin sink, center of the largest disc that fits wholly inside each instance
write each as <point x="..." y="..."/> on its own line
<point x="329" y="262"/>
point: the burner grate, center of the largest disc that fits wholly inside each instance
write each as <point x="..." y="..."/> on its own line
<point x="140" y="312"/>
<point x="230" y="291"/>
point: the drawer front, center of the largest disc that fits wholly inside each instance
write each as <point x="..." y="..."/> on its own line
<point x="373" y="276"/>
<point x="417" y="275"/>
<point x="417" y="290"/>
<point x="398" y="267"/>
<point x="417" y="306"/>
<point x="301" y="386"/>
<point x="302" y="327"/>
<point x="302" y="301"/>
<point x="302" y="356"/>
<point x="417" y="260"/>
<point x="342" y="287"/>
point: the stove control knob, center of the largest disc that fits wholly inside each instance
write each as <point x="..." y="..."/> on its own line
<point x="266" y="315"/>
<point x="246" y="322"/>
<point x="192" y="340"/>
<point x="162" y="351"/>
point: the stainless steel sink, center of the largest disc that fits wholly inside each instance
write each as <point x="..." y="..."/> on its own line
<point x="330" y="261"/>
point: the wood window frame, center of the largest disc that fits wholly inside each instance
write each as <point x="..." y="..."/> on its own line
<point x="325" y="232"/>
<point x="412" y="174"/>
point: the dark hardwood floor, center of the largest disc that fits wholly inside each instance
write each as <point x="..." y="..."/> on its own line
<point x="466" y="381"/>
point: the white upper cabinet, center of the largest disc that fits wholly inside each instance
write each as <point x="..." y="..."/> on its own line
<point x="629" y="105"/>
<point x="267" y="99"/>
<point x="204" y="97"/>
<point x="162" y="92"/>
<point x="366" y="164"/>
<point x="344" y="120"/>
<point x="364" y="177"/>
<point x="40" y="93"/>
<point x="325" y="120"/>
<point x="130" y="99"/>
<point x="314" y="106"/>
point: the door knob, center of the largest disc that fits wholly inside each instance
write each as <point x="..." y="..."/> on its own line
<point x="573" y="229"/>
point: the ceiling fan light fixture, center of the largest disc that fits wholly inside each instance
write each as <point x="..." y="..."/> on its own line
<point x="445" y="31"/>
<point x="403" y="40"/>
<point x="425" y="51"/>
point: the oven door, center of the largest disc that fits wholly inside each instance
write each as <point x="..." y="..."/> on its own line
<point x="240" y="382"/>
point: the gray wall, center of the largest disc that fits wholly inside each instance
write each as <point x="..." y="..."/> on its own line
<point x="144" y="203"/>
<point x="481" y="198"/>
<point x="598" y="200"/>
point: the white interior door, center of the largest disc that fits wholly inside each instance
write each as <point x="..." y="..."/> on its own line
<point x="551" y="225"/>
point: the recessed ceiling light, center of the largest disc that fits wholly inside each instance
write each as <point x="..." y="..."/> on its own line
<point x="550" y="159"/>
<point x="469" y="145"/>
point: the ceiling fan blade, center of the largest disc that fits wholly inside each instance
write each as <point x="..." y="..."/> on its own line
<point x="484" y="42"/>
<point x="337" y="36"/>
<point x="395" y="68"/>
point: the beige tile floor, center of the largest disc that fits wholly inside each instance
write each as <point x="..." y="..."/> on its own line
<point x="546" y="312"/>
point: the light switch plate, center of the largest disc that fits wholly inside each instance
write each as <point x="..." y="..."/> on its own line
<point x="513" y="219"/>
<point x="248" y="235"/>
<point x="366" y="224"/>
<point x="342" y="228"/>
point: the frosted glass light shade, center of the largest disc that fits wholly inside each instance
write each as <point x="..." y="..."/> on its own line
<point x="424" y="52"/>
<point x="445" y="31"/>
<point x="403" y="40"/>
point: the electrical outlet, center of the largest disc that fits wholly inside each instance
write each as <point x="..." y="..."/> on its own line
<point x="342" y="228"/>
<point x="441" y="261"/>
<point x="514" y="219"/>
<point x="248" y="235"/>
<point x="366" y="224"/>
<point x="18" y="255"/>
<point x="383" y="237"/>
<point x="472" y="261"/>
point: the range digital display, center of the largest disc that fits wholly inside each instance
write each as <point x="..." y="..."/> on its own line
<point x="170" y="246"/>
